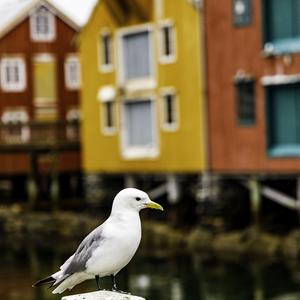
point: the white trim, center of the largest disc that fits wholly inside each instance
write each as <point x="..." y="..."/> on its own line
<point x="19" y="86"/>
<point x="43" y="37"/>
<point x="103" y="67"/>
<point x="44" y="57"/>
<point x="72" y="84"/>
<point x="106" y="93"/>
<point x="280" y="79"/>
<point x="134" y="153"/>
<point x="139" y="83"/>
<point x="159" y="9"/>
<point x="163" y="58"/>
<point x="164" y="125"/>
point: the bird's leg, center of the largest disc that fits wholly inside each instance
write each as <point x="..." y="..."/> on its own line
<point x="98" y="281"/>
<point x="114" y="285"/>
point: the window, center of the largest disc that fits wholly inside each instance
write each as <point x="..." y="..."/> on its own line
<point x="108" y="117"/>
<point x="167" y="42"/>
<point x="13" y="74"/>
<point x="245" y="101"/>
<point x="15" y="130"/>
<point x="139" y="129"/>
<point x="282" y="26"/>
<point x="107" y="96"/>
<point x="241" y="12"/>
<point x="105" y="52"/>
<point x="136" y="57"/>
<point x="72" y="73"/>
<point x="169" y="111"/>
<point x="42" y="25"/>
<point x="283" y="111"/>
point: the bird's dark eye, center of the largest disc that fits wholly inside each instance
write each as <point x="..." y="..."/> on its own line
<point x="138" y="198"/>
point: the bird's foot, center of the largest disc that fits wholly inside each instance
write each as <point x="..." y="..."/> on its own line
<point x="119" y="291"/>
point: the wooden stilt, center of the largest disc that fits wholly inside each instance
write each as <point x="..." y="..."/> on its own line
<point x="32" y="181"/>
<point x="255" y="197"/>
<point x="54" y="187"/>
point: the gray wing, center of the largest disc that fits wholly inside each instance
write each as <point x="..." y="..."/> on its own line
<point x="85" y="251"/>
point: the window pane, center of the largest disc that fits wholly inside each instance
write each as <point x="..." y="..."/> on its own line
<point x="166" y="40"/>
<point x="283" y="116"/>
<point x="42" y="25"/>
<point x="109" y="117"/>
<point x="136" y="56"/>
<point x="245" y="102"/>
<point x="169" y="109"/>
<point x="106" y="45"/>
<point x="279" y="19"/>
<point x="72" y="72"/>
<point x="296" y="17"/>
<point x="139" y="123"/>
<point x="242" y="12"/>
<point x="13" y="77"/>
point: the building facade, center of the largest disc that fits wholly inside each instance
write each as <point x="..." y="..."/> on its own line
<point x="253" y="68"/>
<point x="39" y="89"/>
<point x="142" y="96"/>
<point x="253" y="65"/>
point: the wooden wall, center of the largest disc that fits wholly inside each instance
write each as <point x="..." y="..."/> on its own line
<point x="17" y="41"/>
<point x="234" y="148"/>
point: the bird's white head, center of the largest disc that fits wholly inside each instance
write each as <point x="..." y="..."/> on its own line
<point x="133" y="199"/>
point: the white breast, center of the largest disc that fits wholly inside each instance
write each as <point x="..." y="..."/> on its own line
<point x="121" y="238"/>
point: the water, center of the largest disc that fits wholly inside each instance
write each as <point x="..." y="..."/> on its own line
<point x="154" y="274"/>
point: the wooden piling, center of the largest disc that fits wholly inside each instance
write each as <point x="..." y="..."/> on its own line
<point x="102" y="295"/>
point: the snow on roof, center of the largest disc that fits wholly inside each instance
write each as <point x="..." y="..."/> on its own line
<point x="76" y="12"/>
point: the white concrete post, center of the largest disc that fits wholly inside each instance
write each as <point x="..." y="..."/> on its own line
<point x="102" y="295"/>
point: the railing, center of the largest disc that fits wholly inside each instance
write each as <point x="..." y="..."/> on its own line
<point x="36" y="134"/>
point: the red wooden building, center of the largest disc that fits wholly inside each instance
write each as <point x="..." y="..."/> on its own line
<point x="39" y="85"/>
<point x="253" y="90"/>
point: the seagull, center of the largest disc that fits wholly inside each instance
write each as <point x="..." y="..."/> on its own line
<point x="108" y="248"/>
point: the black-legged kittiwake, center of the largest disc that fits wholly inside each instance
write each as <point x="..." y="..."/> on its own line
<point x="109" y="247"/>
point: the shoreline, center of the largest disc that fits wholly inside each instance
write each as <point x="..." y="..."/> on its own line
<point x="16" y="223"/>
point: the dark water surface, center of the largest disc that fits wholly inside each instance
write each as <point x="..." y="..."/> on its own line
<point x="152" y="274"/>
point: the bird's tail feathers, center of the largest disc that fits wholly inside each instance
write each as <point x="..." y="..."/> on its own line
<point x="48" y="280"/>
<point x="54" y="279"/>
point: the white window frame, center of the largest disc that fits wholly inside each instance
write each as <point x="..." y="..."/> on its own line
<point x="134" y="153"/>
<point x="146" y="83"/>
<point x="105" y="129"/>
<point x="165" y="125"/>
<point x="102" y="66"/>
<point x="43" y="37"/>
<point x="172" y="57"/>
<point x="71" y="84"/>
<point x="107" y="94"/>
<point x="159" y="9"/>
<point x="19" y="86"/>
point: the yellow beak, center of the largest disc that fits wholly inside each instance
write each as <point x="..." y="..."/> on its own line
<point x="154" y="205"/>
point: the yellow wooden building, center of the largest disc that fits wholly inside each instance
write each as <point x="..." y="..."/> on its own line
<point x="142" y="88"/>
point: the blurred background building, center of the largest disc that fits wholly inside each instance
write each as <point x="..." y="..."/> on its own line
<point x="39" y="100"/>
<point x="143" y="95"/>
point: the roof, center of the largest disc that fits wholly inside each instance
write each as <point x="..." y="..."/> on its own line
<point x="73" y="12"/>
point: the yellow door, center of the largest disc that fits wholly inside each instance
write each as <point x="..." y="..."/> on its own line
<point x="44" y="76"/>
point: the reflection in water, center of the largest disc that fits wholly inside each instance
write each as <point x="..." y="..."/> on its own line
<point x="153" y="276"/>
